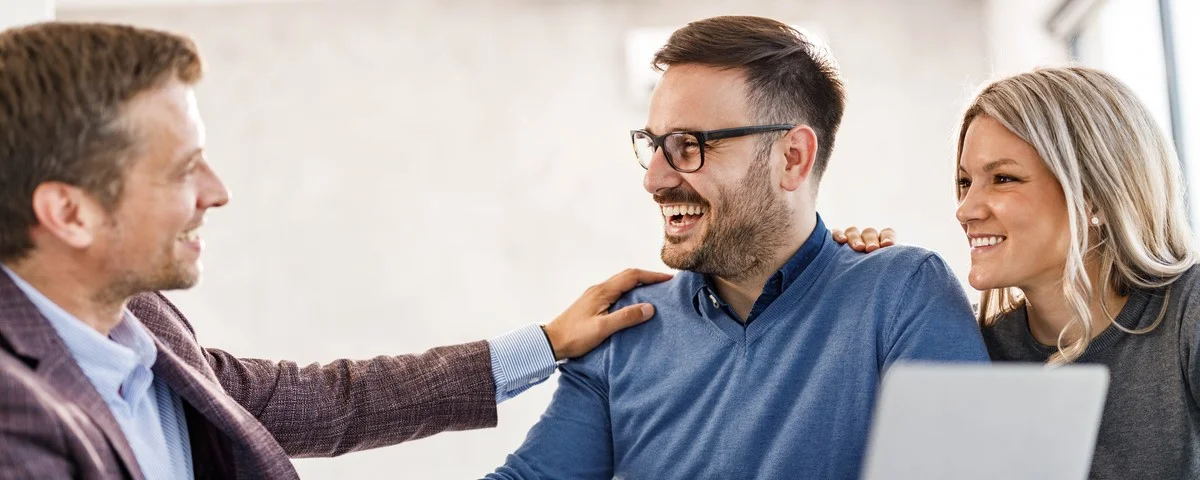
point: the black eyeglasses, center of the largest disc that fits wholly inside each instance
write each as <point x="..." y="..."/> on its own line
<point x="685" y="150"/>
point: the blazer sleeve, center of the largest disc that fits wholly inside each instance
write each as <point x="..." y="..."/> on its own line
<point x="349" y="405"/>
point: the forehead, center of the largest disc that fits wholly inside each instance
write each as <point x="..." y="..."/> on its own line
<point x="988" y="141"/>
<point x="165" y="121"/>
<point x="698" y="97"/>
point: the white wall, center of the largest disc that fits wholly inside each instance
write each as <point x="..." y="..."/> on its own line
<point x="14" y="13"/>
<point x="1124" y="38"/>
<point x="1018" y="38"/>
<point x="409" y="174"/>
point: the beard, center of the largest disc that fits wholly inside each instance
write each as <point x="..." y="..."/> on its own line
<point x="141" y="270"/>
<point x="744" y="229"/>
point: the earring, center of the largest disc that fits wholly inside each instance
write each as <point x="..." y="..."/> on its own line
<point x="1095" y="221"/>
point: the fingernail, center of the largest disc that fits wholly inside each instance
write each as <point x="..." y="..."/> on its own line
<point x="647" y="311"/>
<point x="857" y="244"/>
<point x="872" y="245"/>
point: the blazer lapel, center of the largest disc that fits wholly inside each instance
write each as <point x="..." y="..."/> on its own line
<point x="31" y="336"/>
<point x="222" y="411"/>
<point x="207" y="398"/>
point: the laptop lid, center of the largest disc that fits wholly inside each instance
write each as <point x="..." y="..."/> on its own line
<point x="986" y="421"/>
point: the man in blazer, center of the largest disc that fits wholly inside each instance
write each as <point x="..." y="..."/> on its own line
<point x="103" y="188"/>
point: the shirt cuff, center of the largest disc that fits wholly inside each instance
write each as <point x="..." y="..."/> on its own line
<point x="520" y="360"/>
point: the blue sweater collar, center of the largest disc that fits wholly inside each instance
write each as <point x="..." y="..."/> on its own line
<point x="780" y="281"/>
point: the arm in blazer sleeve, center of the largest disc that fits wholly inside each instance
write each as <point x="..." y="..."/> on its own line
<point x="349" y="405"/>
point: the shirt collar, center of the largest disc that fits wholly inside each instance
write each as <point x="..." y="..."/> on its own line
<point x="107" y="361"/>
<point x="783" y="278"/>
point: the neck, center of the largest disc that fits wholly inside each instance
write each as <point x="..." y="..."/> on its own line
<point x="73" y="290"/>
<point x="741" y="292"/>
<point x="1049" y="312"/>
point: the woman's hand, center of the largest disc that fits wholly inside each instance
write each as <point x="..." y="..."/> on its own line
<point x="867" y="240"/>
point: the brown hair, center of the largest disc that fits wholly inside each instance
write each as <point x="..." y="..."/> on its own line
<point x="790" y="79"/>
<point x="63" y="87"/>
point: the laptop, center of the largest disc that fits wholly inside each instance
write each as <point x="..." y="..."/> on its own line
<point x="986" y="421"/>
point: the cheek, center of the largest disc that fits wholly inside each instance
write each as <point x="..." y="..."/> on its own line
<point x="727" y="201"/>
<point x="168" y="215"/>
<point x="705" y="188"/>
<point x="1039" y="232"/>
<point x="1046" y="222"/>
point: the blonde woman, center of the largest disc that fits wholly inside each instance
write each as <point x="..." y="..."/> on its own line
<point x="1071" y="202"/>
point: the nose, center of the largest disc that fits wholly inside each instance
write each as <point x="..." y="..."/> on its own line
<point x="659" y="174"/>
<point x="970" y="206"/>
<point x="212" y="191"/>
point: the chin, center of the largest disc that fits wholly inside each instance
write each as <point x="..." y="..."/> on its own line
<point x="182" y="277"/>
<point x="677" y="256"/>
<point x="982" y="282"/>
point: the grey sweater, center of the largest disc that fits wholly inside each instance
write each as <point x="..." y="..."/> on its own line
<point x="1151" y="423"/>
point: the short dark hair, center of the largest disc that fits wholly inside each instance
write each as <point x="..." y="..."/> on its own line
<point x="790" y="79"/>
<point x="63" y="88"/>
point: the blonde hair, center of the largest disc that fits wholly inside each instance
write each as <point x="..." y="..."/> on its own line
<point x="1112" y="162"/>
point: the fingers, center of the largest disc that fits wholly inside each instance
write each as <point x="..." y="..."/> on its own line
<point x="613" y="288"/>
<point x="625" y="318"/>
<point x="870" y="239"/>
<point x="887" y="237"/>
<point x="854" y="239"/>
<point x="838" y="236"/>
<point x="646" y="277"/>
<point x="574" y="335"/>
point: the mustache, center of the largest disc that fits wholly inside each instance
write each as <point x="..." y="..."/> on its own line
<point x="679" y="195"/>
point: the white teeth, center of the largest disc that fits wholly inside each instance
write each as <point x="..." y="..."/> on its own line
<point x="189" y="236"/>
<point x="672" y="210"/>
<point x="986" y="241"/>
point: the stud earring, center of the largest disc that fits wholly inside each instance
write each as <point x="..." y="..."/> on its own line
<point x="1095" y="221"/>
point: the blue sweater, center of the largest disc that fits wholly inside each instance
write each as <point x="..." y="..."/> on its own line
<point x="694" y="394"/>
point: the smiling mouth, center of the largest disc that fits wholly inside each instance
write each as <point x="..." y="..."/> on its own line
<point x="682" y="215"/>
<point x="988" y="241"/>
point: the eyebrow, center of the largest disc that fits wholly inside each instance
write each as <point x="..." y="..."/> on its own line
<point x="187" y="158"/>
<point x="674" y="130"/>
<point x="992" y="165"/>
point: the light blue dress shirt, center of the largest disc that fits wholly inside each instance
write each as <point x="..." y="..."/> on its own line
<point x="520" y="360"/>
<point x="149" y="413"/>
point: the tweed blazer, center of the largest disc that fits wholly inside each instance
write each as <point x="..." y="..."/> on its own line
<point x="245" y="417"/>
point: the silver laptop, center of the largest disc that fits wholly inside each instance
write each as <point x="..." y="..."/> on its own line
<point x="983" y="422"/>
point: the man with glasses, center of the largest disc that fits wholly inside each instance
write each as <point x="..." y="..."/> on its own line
<point x="767" y="349"/>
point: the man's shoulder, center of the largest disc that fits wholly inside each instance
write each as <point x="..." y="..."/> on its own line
<point x="671" y="293"/>
<point x="893" y="274"/>
<point x="161" y="317"/>
<point x="26" y="400"/>
<point x="898" y="262"/>
<point x="44" y="434"/>
<point x="670" y="299"/>
<point x="165" y="322"/>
